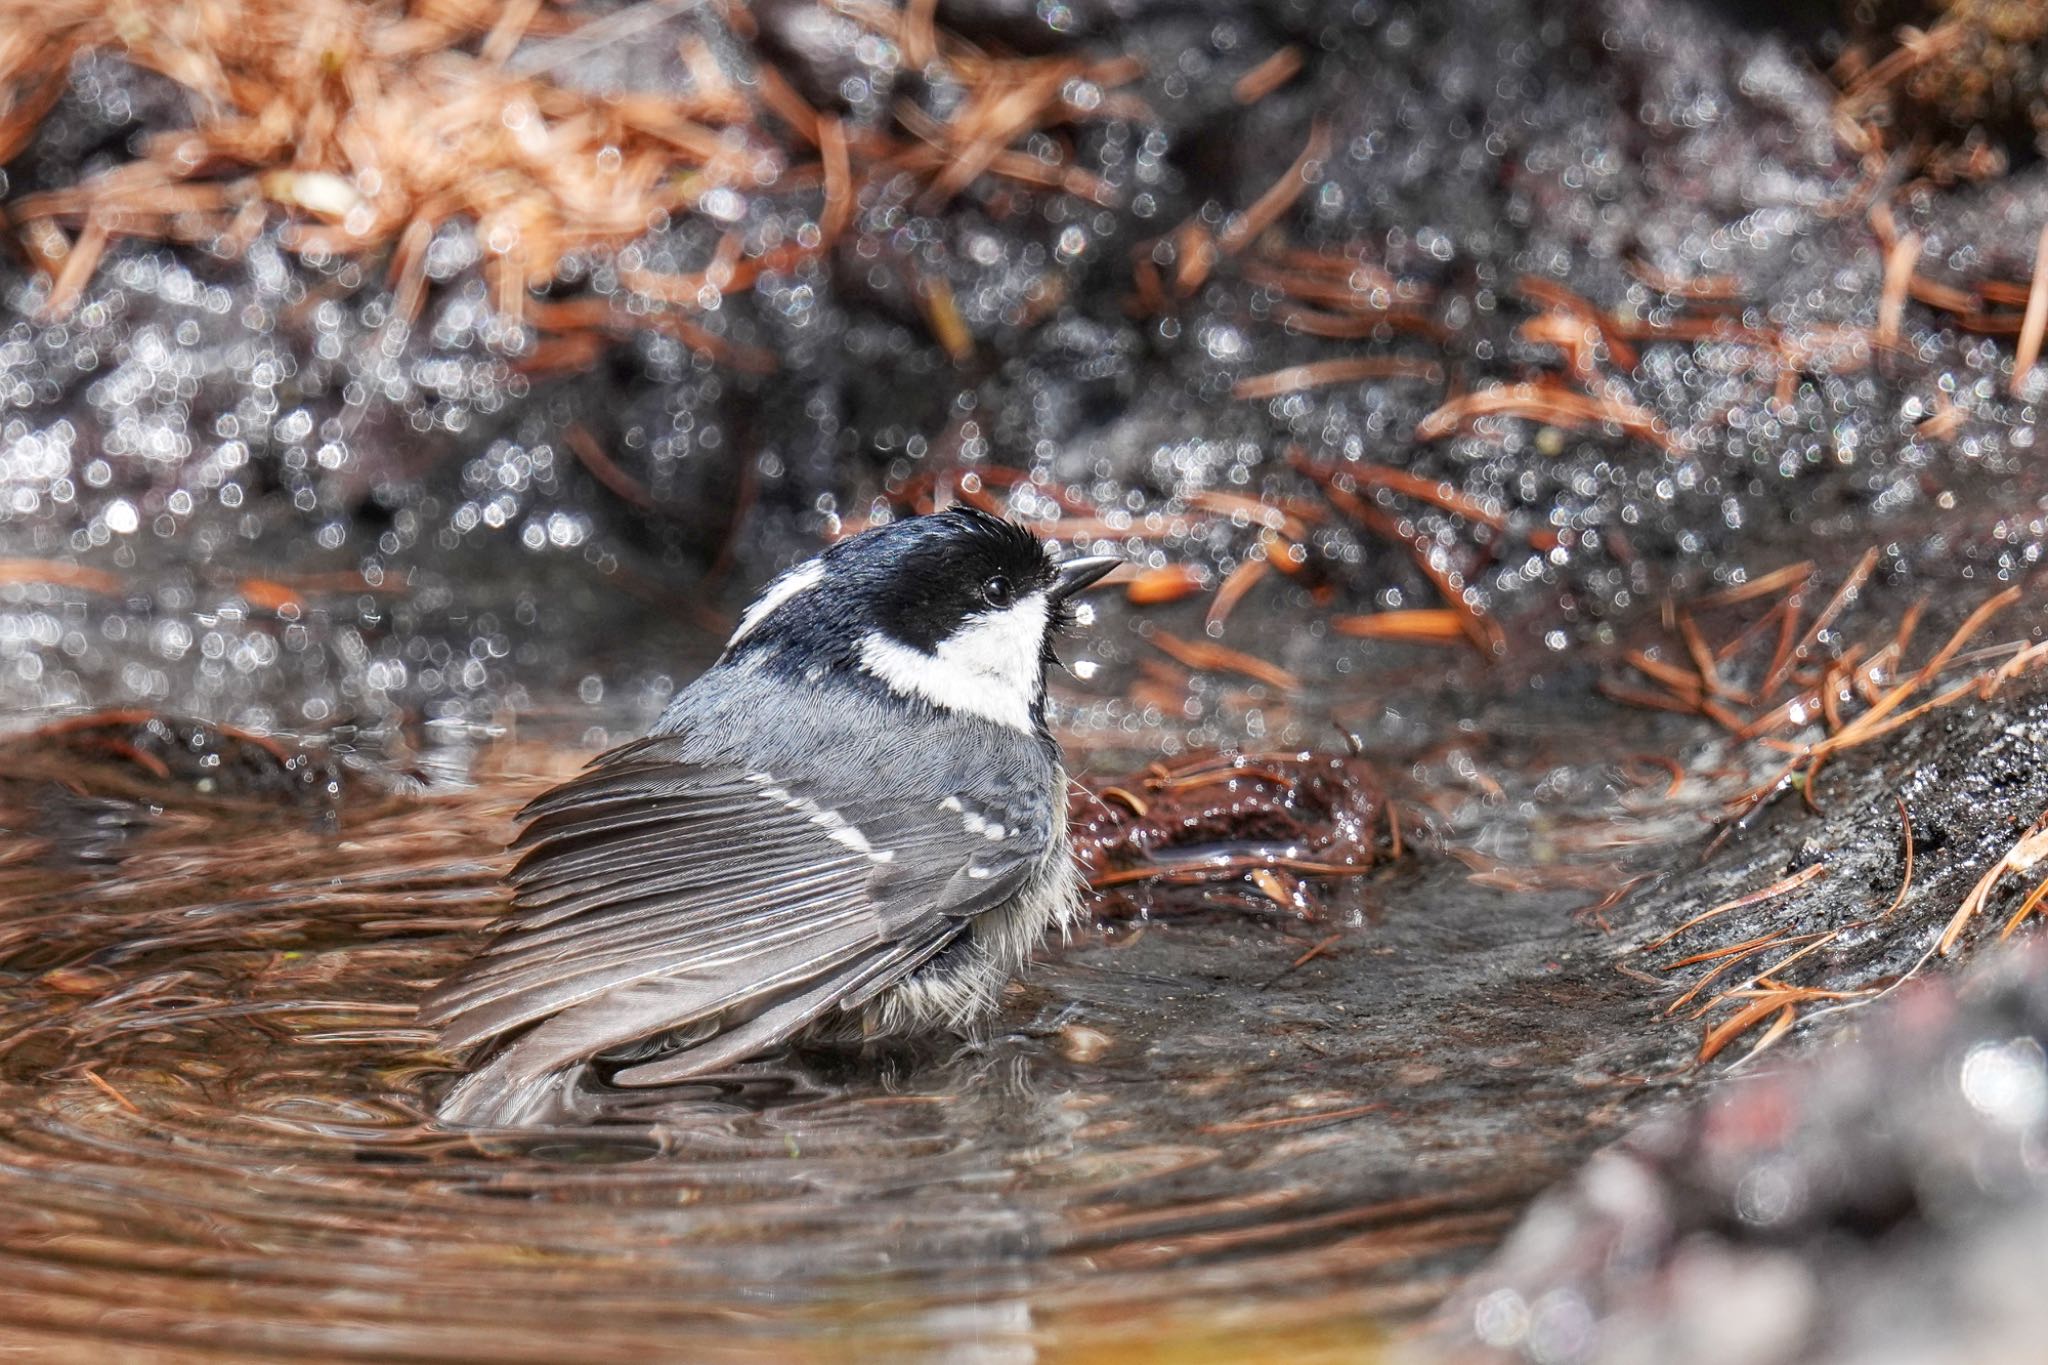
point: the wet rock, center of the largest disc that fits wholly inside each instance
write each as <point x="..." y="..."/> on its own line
<point x="1878" y="1202"/>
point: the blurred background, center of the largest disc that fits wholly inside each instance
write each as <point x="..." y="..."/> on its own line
<point x="1565" y="759"/>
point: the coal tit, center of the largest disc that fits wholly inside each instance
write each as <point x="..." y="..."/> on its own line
<point x="854" y="825"/>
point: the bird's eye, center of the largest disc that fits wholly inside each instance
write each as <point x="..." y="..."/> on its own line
<point x="997" y="592"/>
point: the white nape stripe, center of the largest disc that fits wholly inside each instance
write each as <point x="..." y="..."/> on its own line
<point x="802" y="578"/>
<point x="992" y="667"/>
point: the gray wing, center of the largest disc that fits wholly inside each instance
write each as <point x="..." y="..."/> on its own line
<point x="657" y="895"/>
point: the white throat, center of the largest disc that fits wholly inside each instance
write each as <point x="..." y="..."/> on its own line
<point x="992" y="667"/>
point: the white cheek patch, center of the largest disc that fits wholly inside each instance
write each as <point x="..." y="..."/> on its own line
<point x="801" y="579"/>
<point x="991" y="667"/>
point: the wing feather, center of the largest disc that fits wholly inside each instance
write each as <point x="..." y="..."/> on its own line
<point x="655" y="895"/>
<point x="847" y="989"/>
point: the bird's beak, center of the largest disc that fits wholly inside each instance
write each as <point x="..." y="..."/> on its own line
<point x="1076" y="574"/>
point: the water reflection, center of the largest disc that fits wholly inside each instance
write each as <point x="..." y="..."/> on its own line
<point x="213" y="1104"/>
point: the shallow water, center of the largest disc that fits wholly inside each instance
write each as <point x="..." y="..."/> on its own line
<point x="212" y="1100"/>
<point x="1213" y="1123"/>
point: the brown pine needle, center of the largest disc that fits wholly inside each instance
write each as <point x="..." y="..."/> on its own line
<point x="587" y="450"/>
<point x="1874" y="722"/>
<point x="1596" y="913"/>
<point x="79" y="265"/>
<point x="1546" y="403"/>
<point x="1685" y="686"/>
<point x="1268" y="76"/>
<point x="1744" y="948"/>
<point x="59" y="575"/>
<point x="1210" y="657"/>
<point x="1744" y="1019"/>
<point x="1272" y="886"/>
<point x="840" y="201"/>
<point x="1970" y="626"/>
<point x="1169" y="583"/>
<point x="2027" y="907"/>
<point x="1756" y="629"/>
<point x="106" y="1088"/>
<point x="1669" y="766"/>
<point x="2025" y="853"/>
<point x="1483" y="631"/>
<point x="1131" y="801"/>
<point x="1194" y="256"/>
<point x="1436" y="492"/>
<point x="1311" y="955"/>
<point x="1763" y="586"/>
<point x="1344" y="370"/>
<point x="1774" y="890"/>
<point x="1844" y="596"/>
<point x="1237" y="583"/>
<point x="1818" y="941"/>
<point x="1210" y="869"/>
<point x="942" y="315"/>
<point x="786" y="104"/>
<point x="2036" y="323"/>
<point x="1733" y="961"/>
<point x="1702" y="657"/>
<point x="1899" y="264"/>
<point x="1314" y="952"/>
<point x="1764" y="1000"/>
<point x="1423" y="626"/>
<point x="1779" y="1027"/>
<point x="1290" y="1120"/>
<point x="1905" y="880"/>
<point x="1653" y="701"/>
<point x="1267" y="208"/>
<point x="1287" y="518"/>
<point x="1572" y="318"/>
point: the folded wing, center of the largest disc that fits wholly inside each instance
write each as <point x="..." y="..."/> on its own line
<point x="730" y="908"/>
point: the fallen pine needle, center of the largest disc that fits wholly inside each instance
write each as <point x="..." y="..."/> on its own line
<point x="1344" y="370"/>
<point x="1423" y="626"/>
<point x="1775" y="889"/>
<point x="1311" y="955"/>
<point x="1547" y="403"/>
<point x="2036" y="322"/>
<point x="1171" y="583"/>
<point x="1211" y="657"/>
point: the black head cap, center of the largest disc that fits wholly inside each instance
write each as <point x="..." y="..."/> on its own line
<point x="885" y="607"/>
<point x="923" y="578"/>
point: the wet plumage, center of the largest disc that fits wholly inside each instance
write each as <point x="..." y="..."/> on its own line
<point x="853" y="825"/>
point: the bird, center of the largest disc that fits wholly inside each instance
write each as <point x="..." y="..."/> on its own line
<point x="853" y="825"/>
